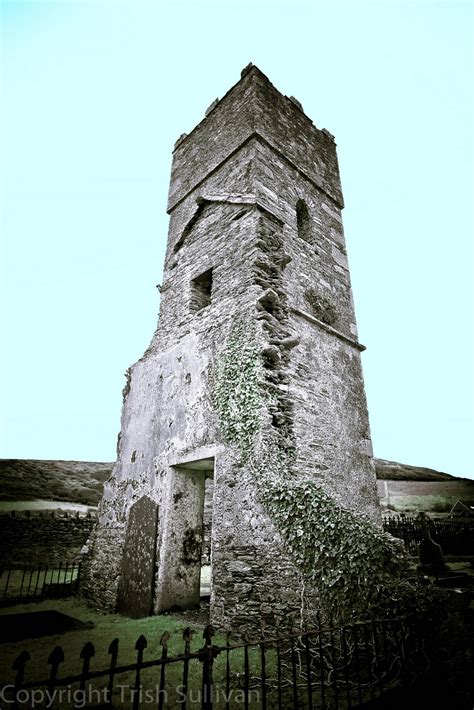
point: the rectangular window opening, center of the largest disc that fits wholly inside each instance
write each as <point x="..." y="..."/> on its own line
<point x="201" y="290"/>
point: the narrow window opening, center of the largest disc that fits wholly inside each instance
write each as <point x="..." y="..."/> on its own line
<point x="303" y="221"/>
<point x="201" y="291"/>
<point x="179" y="243"/>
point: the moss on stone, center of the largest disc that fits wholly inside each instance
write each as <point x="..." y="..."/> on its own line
<point x="344" y="558"/>
<point x="322" y="307"/>
<point x="347" y="558"/>
<point x="235" y="377"/>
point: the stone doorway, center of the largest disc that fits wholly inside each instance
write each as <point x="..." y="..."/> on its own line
<point x="185" y="557"/>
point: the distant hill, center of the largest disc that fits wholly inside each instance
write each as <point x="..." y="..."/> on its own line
<point x="392" y="471"/>
<point x="71" y="481"/>
<point x="82" y="481"/>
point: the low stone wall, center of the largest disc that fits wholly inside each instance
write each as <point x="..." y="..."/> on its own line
<point x="45" y="536"/>
<point x="42" y="537"/>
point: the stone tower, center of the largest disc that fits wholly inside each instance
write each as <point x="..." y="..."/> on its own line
<point x="253" y="373"/>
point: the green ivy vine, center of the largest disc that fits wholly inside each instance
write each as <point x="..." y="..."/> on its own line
<point x="235" y="378"/>
<point x="346" y="557"/>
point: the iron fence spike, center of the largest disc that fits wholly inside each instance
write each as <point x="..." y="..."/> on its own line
<point x="56" y="656"/>
<point x="208" y="633"/>
<point x="141" y="643"/>
<point x="165" y="637"/>
<point x="88" y="650"/>
<point x="21" y="660"/>
<point x="113" y="647"/>
<point x="188" y="634"/>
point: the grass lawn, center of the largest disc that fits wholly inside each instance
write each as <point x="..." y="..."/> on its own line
<point x="419" y="503"/>
<point x="29" y="583"/>
<point x="111" y="626"/>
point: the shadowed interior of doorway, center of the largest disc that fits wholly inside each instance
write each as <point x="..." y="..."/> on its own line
<point x="186" y="545"/>
<point x="205" y="590"/>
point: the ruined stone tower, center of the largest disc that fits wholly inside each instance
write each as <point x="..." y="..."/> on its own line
<point x="253" y="374"/>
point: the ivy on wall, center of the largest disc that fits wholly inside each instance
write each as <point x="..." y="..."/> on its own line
<point x="234" y="378"/>
<point x="346" y="558"/>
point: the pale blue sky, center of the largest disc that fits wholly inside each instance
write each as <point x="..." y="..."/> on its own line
<point x="94" y="96"/>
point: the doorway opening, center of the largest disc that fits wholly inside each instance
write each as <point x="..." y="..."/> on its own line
<point x="185" y="559"/>
<point x="206" y="562"/>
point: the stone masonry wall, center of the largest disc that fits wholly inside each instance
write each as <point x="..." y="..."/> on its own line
<point x="253" y="578"/>
<point x="255" y="196"/>
<point x="262" y="111"/>
<point x="42" y="538"/>
<point x="167" y="410"/>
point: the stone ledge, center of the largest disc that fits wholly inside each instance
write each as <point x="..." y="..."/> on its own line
<point x="258" y="136"/>
<point x="201" y="453"/>
<point x="329" y="329"/>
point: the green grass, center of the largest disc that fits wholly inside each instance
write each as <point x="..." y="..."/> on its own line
<point x="107" y="627"/>
<point x="415" y="504"/>
<point x="110" y="626"/>
<point x="30" y="583"/>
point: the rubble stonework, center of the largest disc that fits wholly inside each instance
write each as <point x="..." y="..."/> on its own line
<point x="42" y="537"/>
<point x="255" y="358"/>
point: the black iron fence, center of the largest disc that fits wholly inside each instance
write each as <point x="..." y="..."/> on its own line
<point x="455" y="537"/>
<point x="328" y="668"/>
<point x="56" y="580"/>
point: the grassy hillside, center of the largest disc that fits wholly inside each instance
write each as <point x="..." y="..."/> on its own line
<point x="72" y="481"/>
<point x="392" y="471"/>
<point x="82" y="481"/>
